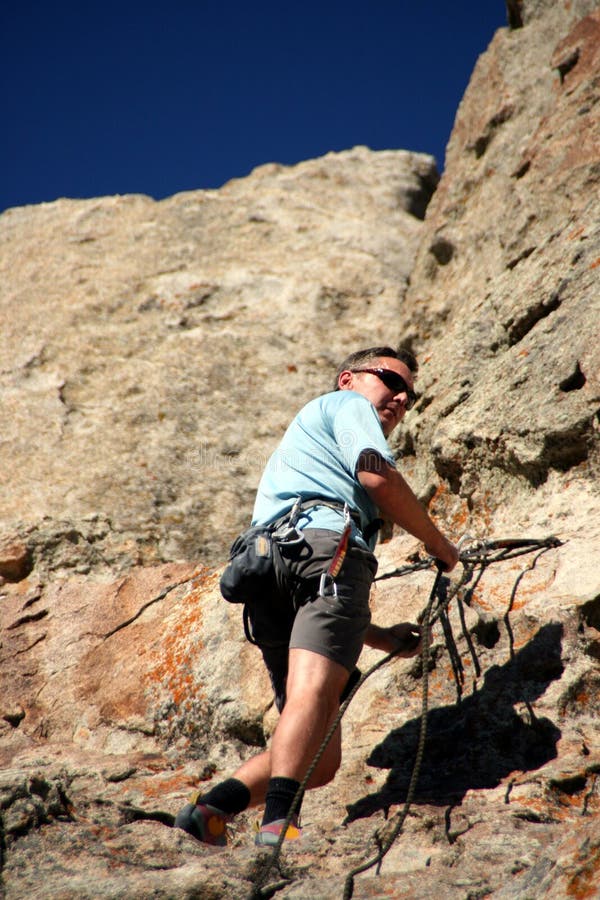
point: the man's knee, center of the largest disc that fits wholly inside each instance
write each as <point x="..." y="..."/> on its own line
<point x="311" y="674"/>
<point x="327" y="768"/>
<point x="319" y="780"/>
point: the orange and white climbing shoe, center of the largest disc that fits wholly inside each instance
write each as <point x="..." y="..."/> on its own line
<point x="268" y="835"/>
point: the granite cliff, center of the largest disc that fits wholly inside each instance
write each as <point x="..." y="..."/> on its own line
<point x="152" y="353"/>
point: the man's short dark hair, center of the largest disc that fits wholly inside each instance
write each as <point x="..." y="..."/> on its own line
<point x="362" y="358"/>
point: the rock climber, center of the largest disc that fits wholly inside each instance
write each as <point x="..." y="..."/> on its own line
<point x="335" y="456"/>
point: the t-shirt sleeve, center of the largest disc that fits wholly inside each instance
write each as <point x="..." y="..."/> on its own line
<point x="356" y="428"/>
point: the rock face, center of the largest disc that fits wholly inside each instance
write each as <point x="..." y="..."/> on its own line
<point x="153" y="352"/>
<point x="505" y="286"/>
<point x="141" y="339"/>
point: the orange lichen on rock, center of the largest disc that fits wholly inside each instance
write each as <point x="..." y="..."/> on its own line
<point x="451" y="507"/>
<point x="180" y="644"/>
<point x="164" y="783"/>
<point x="499" y="597"/>
<point x="584" y="883"/>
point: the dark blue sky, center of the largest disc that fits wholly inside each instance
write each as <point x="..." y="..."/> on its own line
<point x="130" y="97"/>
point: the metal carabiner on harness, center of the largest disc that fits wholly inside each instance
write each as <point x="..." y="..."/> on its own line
<point x="327" y="585"/>
<point x="286" y="532"/>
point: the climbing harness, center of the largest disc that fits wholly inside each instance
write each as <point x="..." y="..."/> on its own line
<point x="257" y="569"/>
<point x="481" y="554"/>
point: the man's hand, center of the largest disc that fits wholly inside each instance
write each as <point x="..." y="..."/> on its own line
<point x="403" y="639"/>
<point x="445" y="552"/>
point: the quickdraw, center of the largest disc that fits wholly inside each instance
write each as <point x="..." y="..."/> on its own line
<point x="327" y="585"/>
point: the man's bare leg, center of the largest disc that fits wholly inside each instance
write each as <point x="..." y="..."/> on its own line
<point x="314" y="686"/>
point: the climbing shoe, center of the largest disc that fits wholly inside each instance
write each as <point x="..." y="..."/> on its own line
<point x="206" y="823"/>
<point x="268" y="835"/>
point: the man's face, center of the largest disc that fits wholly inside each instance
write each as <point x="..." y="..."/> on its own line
<point x="390" y="404"/>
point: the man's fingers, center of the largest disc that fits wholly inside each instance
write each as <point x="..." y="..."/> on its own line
<point x="410" y="639"/>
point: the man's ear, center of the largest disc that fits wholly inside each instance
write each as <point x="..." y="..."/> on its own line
<point x="345" y="380"/>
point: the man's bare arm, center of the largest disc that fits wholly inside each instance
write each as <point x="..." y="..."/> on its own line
<point x="390" y="492"/>
<point x="403" y="639"/>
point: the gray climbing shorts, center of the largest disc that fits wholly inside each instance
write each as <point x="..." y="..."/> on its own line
<point x="333" y="626"/>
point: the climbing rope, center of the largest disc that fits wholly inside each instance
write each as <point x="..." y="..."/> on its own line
<point x="384" y="846"/>
<point x="481" y="554"/>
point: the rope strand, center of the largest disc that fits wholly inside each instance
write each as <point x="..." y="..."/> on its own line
<point x="385" y="845"/>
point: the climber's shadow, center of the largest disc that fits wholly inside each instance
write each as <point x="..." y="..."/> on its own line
<point x="478" y="741"/>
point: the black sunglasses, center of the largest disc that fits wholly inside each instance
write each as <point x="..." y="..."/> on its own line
<point x="394" y="382"/>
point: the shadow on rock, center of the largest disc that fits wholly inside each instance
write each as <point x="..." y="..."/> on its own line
<point x="478" y="741"/>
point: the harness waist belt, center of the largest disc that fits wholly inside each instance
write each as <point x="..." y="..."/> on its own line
<point x="368" y="531"/>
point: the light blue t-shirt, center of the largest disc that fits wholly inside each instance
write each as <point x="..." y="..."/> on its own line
<point x="317" y="457"/>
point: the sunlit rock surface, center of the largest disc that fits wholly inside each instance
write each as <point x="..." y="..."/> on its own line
<point x="153" y="354"/>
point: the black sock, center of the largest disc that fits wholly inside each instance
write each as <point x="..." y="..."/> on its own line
<point x="280" y="796"/>
<point x="230" y="796"/>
